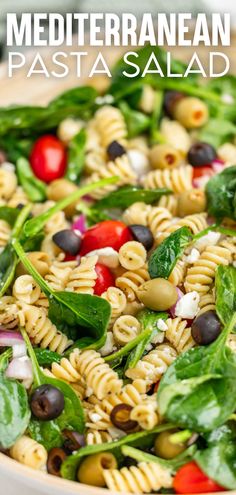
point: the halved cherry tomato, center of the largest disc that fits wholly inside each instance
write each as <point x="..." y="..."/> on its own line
<point x="48" y="158"/>
<point x="110" y="233"/>
<point x="105" y="279"/>
<point x="201" y="171"/>
<point x="191" y="479"/>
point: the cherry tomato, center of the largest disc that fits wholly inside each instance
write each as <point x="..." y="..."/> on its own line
<point x="110" y="233"/>
<point x="191" y="479"/>
<point x="104" y="279"/>
<point x="201" y="171"/>
<point x="48" y="158"/>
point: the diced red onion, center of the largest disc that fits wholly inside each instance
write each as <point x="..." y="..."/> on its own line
<point x="10" y="338"/>
<point x="79" y="224"/>
<point x="172" y="309"/>
<point x="19" y="350"/>
<point x="21" y="369"/>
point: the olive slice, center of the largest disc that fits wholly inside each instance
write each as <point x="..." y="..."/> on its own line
<point x="120" y="417"/>
<point x="56" y="457"/>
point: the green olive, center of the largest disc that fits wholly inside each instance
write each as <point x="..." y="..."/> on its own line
<point x="164" y="156"/>
<point x="39" y="260"/>
<point x="190" y="202"/>
<point x="157" y="294"/>
<point x="60" y="189"/>
<point x="191" y="112"/>
<point x="90" y="471"/>
<point x="164" y="448"/>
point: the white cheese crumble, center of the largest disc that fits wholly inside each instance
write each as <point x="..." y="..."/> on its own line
<point x="107" y="256"/>
<point x="109" y="345"/>
<point x="104" y="100"/>
<point x="161" y="325"/>
<point x="188" y="305"/>
<point x="9" y="167"/>
<point x="193" y="256"/>
<point x="209" y="239"/>
<point x="95" y="417"/>
<point x="138" y="161"/>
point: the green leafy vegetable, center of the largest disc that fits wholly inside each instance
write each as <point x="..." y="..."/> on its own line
<point x="137" y="122"/>
<point x="142" y="439"/>
<point x="217" y="131"/>
<point x="225" y="284"/>
<point x="73" y="312"/>
<point x="218" y="460"/>
<point x="127" y="195"/>
<point x="164" y="258"/>
<point x="220" y="190"/>
<point x="173" y="465"/>
<point x="49" y="433"/>
<point x="33" y="187"/>
<point x="35" y="225"/>
<point x="9" y="214"/>
<point x="76" y="155"/>
<point x="194" y="392"/>
<point x="45" y="357"/>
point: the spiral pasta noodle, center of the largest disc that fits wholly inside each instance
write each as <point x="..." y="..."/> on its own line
<point x="152" y="366"/>
<point x="170" y="202"/>
<point x="41" y="330"/>
<point x="9" y="312"/>
<point x="117" y="300"/>
<point x="5" y="233"/>
<point x="8" y="183"/>
<point x="144" y="478"/>
<point x="59" y="274"/>
<point x="125" y="329"/>
<point x="132" y="255"/>
<point x="56" y="223"/>
<point x="95" y="437"/>
<point x="82" y="279"/>
<point x="159" y="221"/>
<point x="178" y="179"/>
<point x="111" y="125"/>
<point x="145" y="414"/>
<point x="177" y="275"/>
<point x="196" y="223"/>
<point x="29" y="452"/>
<point x="19" y="197"/>
<point x="206" y="303"/>
<point x="94" y="160"/>
<point x="26" y="290"/>
<point x="137" y="213"/>
<point x="179" y="335"/>
<point x="130" y="281"/>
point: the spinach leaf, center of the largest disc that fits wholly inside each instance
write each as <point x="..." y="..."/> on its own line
<point x="220" y="191"/>
<point x="173" y="465"/>
<point x="71" y="311"/>
<point x="49" y="433"/>
<point x="35" y="225"/>
<point x="217" y="131"/>
<point x="164" y="258"/>
<point x="45" y="357"/>
<point x="148" y="320"/>
<point x="225" y="283"/>
<point x="194" y="392"/>
<point x="127" y="195"/>
<point x="76" y="155"/>
<point x="9" y="214"/>
<point x="218" y="460"/>
<point x="33" y="187"/>
<point x="137" y="122"/>
<point x="142" y="439"/>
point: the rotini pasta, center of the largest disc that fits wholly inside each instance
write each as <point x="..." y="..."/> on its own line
<point x="8" y="183"/>
<point x="179" y="335"/>
<point x="178" y="179"/>
<point x="26" y="290"/>
<point x="82" y="279"/>
<point x="117" y="300"/>
<point x="5" y="232"/>
<point x="130" y="281"/>
<point x="125" y="329"/>
<point x="132" y="255"/>
<point x="9" y="312"/>
<point x="111" y="125"/>
<point x="144" y="478"/>
<point x="137" y="213"/>
<point x="153" y="365"/>
<point x="29" y="452"/>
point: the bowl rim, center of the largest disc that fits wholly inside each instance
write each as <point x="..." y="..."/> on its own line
<point x="16" y="470"/>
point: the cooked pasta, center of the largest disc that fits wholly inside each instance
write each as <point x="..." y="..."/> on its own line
<point x="153" y="365"/>
<point x="26" y="290"/>
<point x="95" y="160"/>
<point x="130" y="281"/>
<point x="117" y="300"/>
<point x="82" y="279"/>
<point x="94" y="437"/>
<point x="29" y="452"/>
<point x="179" y="334"/>
<point x="56" y="223"/>
<point x="145" y="414"/>
<point x="19" y="197"/>
<point x="8" y="183"/>
<point x="170" y="202"/>
<point x="137" y="213"/>
<point x="178" y="179"/>
<point x="132" y="255"/>
<point x="178" y="273"/>
<point x="144" y="478"/>
<point x="59" y="273"/>
<point x="159" y="220"/>
<point x="111" y="125"/>
<point x="125" y="329"/>
<point x="5" y="232"/>
<point x="196" y="223"/>
<point x="176" y="135"/>
<point x="8" y="312"/>
<point x="206" y="303"/>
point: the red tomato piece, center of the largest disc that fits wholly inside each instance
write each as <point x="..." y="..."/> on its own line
<point x="105" y="279"/>
<point x="201" y="171"/>
<point x="110" y="233"/>
<point x="48" y="158"/>
<point x="191" y="479"/>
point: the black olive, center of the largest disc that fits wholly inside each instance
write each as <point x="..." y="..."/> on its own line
<point x="170" y="100"/>
<point x="73" y="440"/>
<point x="120" y="417"/>
<point x="114" y="150"/>
<point x="68" y="240"/>
<point x="201" y="154"/>
<point x="3" y="157"/>
<point x="47" y="402"/>
<point x="56" y="457"/>
<point x="142" y="234"/>
<point x="206" y="328"/>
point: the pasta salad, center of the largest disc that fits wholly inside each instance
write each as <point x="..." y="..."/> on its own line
<point x="118" y="284"/>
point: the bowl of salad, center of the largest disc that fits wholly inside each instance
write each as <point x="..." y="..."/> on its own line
<point x="118" y="288"/>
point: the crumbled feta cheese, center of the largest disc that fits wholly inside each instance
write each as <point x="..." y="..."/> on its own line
<point x="188" y="305"/>
<point x="138" y="161"/>
<point x="193" y="256"/>
<point x="88" y="392"/>
<point x="158" y="338"/>
<point x="209" y="239"/>
<point x="95" y="417"/>
<point x="227" y="98"/>
<point x="19" y="350"/>
<point x="148" y="347"/>
<point x="9" y="167"/>
<point x="104" y="100"/>
<point x="161" y="325"/>
<point x="107" y="256"/>
<point x="109" y="345"/>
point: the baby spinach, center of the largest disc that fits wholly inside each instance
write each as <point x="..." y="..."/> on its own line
<point x="33" y="187"/>
<point x="49" y="433"/>
<point x="194" y="392"/>
<point x="143" y="439"/>
<point x="164" y="258"/>
<point x="173" y="465"/>
<point x="221" y="197"/>
<point x="35" y="225"/>
<point x="45" y="357"/>
<point x="9" y="214"/>
<point x="15" y="413"/>
<point x="217" y="131"/>
<point x="225" y="283"/>
<point x="70" y="311"/>
<point x="137" y="122"/>
<point x="218" y="459"/>
<point x="127" y="195"/>
<point x="76" y="155"/>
